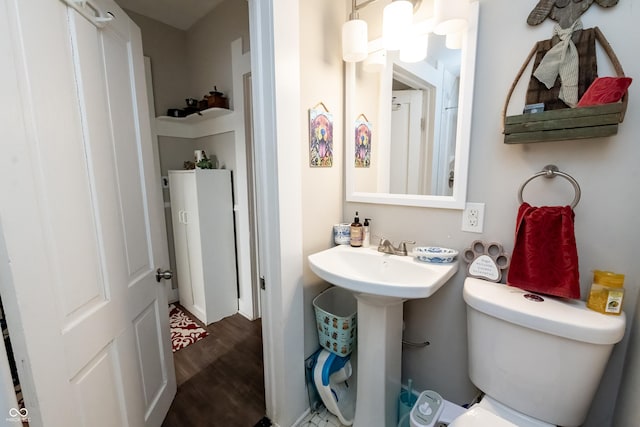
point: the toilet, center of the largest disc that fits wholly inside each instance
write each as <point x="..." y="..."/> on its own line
<point x="538" y="359"/>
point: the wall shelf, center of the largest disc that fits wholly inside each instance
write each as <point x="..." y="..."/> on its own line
<point x="207" y="122"/>
<point x="570" y="123"/>
<point x="209" y="113"/>
<point x="557" y="125"/>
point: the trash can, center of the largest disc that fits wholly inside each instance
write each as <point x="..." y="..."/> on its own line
<point x="336" y="320"/>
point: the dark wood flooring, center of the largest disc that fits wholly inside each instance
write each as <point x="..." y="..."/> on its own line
<point x="220" y="378"/>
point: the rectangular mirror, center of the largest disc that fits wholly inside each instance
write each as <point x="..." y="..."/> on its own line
<point x="419" y="117"/>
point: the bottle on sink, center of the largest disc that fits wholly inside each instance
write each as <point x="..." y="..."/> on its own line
<point x="356" y="232"/>
<point x="366" y="233"/>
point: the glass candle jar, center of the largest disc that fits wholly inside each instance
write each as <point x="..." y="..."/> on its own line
<point x="607" y="292"/>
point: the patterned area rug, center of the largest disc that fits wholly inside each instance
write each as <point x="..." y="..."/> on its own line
<point x="184" y="330"/>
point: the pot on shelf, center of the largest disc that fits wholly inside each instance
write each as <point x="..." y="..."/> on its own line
<point x="217" y="99"/>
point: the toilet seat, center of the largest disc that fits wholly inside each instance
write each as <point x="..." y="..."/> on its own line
<point x="477" y="416"/>
<point x="490" y="412"/>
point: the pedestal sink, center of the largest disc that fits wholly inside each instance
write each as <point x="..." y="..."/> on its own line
<point x="381" y="283"/>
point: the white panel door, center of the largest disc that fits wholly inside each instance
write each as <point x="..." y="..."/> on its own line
<point x="406" y="134"/>
<point x="82" y="218"/>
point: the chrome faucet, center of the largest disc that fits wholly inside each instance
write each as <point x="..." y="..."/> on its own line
<point x="385" y="246"/>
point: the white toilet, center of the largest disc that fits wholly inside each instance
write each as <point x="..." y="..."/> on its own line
<point x="538" y="359"/>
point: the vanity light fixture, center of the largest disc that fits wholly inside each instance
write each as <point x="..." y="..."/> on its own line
<point x="355" y="37"/>
<point x="415" y="49"/>
<point x="397" y="19"/>
<point x="397" y="24"/>
<point x="454" y="40"/>
<point x="450" y="16"/>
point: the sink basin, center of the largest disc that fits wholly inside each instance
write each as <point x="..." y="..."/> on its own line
<point x="368" y="271"/>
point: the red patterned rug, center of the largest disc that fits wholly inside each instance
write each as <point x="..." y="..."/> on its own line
<point x="184" y="330"/>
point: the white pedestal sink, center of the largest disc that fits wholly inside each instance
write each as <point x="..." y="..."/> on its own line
<point x="381" y="283"/>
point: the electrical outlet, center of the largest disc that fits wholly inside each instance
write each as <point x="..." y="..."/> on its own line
<point x="473" y="217"/>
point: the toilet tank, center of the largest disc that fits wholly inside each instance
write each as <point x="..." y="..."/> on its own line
<point x="540" y="355"/>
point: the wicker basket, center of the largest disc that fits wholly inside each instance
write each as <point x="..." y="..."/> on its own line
<point x="336" y="318"/>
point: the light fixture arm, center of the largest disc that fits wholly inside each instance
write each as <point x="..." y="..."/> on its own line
<point x="355" y="7"/>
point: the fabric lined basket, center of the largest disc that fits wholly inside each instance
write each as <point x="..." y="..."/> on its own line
<point x="336" y="319"/>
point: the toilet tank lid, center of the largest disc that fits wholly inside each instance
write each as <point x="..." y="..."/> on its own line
<point x="556" y="316"/>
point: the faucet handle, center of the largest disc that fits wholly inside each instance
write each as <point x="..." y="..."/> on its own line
<point x="402" y="247"/>
<point x="383" y="242"/>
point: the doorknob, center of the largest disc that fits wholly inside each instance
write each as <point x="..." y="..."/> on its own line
<point x="166" y="275"/>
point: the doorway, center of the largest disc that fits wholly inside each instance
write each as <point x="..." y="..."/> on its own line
<point x="206" y="368"/>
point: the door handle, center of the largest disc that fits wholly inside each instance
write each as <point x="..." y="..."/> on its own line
<point x="163" y="275"/>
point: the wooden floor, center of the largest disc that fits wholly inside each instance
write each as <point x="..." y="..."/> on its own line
<point x="220" y="378"/>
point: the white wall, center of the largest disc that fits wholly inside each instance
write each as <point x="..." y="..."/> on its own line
<point x="165" y="46"/>
<point x="222" y="146"/>
<point x="188" y="64"/>
<point x="321" y="71"/>
<point x="605" y="218"/>
<point x="208" y="48"/>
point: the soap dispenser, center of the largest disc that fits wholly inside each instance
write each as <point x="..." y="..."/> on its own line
<point x="366" y="233"/>
<point x="356" y="232"/>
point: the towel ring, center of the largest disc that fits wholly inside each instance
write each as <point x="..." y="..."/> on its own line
<point x="550" y="171"/>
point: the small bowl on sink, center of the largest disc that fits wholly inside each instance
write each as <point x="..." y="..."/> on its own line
<point x="435" y="254"/>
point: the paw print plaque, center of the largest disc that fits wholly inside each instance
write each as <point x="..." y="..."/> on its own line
<point x="486" y="260"/>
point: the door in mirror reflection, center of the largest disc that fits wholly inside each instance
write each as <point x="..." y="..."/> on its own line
<point x="409" y="143"/>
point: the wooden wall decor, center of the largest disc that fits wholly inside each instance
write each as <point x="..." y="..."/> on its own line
<point x="564" y="12"/>
<point x="558" y="121"/>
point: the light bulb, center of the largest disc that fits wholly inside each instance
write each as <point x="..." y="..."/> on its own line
<point x="450" y="16"/>
<point x="354" y="40"/>
<point x="454" y="40"/>
<point x="415" y="50"/>
<point x="396" y="23"/>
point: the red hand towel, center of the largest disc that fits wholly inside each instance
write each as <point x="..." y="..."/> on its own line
<point x="545" y="257"/>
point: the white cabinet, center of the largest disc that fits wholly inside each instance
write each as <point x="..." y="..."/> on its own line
<point x="203" y="232"/>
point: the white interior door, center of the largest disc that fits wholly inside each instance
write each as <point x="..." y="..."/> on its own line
<point x="406" y="150"/>
<point x="82" y="218"/>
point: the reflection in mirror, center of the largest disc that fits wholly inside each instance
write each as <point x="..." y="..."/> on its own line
<point x="420" y="115"/>
<point x="424" y="113"/>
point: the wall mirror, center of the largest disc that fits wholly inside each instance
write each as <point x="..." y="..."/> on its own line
<point x="420" y="121"/>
